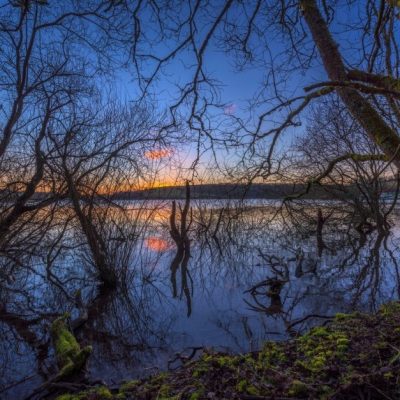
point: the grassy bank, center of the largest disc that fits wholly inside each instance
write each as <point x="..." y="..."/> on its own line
<point x="355" y="356"/>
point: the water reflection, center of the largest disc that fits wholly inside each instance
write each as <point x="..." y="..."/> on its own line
<point x="232" y="277"/>
<point x="157" y="244"/>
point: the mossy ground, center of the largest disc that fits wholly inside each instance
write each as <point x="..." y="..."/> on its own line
<point x="356" y="356"/>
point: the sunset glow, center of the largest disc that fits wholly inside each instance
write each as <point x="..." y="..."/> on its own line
<point x="157" y="154"/>
<point x="157" y="244"/>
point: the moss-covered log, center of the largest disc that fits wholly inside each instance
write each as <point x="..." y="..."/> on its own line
<point x="70" y="357"/>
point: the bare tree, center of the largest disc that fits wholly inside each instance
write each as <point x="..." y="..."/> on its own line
<point x="43" y="70"/>
<point x="363" y="75"/>
<point x="96" y="153"/>
<point x="332" y="155"/>
<point x="57" y="140"/>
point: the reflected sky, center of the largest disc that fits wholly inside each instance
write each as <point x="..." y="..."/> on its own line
<point x="255" y="273"/>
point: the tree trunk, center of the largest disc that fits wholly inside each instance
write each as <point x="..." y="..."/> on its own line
<point x="360" y="108"/>
<point x="96" y="243"/>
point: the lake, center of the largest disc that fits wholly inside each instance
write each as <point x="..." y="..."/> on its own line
<point x="258" y="270"/>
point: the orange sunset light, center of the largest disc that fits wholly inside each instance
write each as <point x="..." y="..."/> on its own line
<point x="157" y="154"/>
<point x="157" y="244"/>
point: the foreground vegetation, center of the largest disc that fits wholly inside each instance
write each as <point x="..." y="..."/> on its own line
<point x="353" y="356"/>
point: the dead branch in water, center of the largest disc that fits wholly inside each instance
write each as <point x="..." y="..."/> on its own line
<point x="181" y="238"/>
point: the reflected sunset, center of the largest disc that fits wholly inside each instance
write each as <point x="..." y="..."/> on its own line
<point x="157" y="244"/>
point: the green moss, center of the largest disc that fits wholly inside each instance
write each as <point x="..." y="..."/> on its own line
<point x="319" y="347"/>
<point x="64" y="341"/>
<point x="198" y="394"/>
<point x="272" y="353"/>
<point x="70" y="357"/>
<point x="251" y="389"/>
<point x="161" y="377"/>
<point x="129" y="386"/>
<point x="241" y="386"/>
<point x="103" y="392"/>
<point x="201" y="369"/>
<point x="390" y="309"/>
<point x="343" y="317"/>
<point x="177" y="397"/>
<point x="342" y="343"/>
<point x="298" y="388"/>
<point x="97" y="393"/>
<point x="164" y="390"/>
<point x="244" y="386"/>
<point x="226" y="361"/>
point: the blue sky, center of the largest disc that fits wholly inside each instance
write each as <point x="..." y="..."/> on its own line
<point x="238" y="87"/>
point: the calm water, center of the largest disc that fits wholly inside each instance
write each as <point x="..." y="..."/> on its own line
<point x="256" y="273"/>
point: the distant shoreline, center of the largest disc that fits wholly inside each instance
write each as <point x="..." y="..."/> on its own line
<point x="228" y="191"/>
